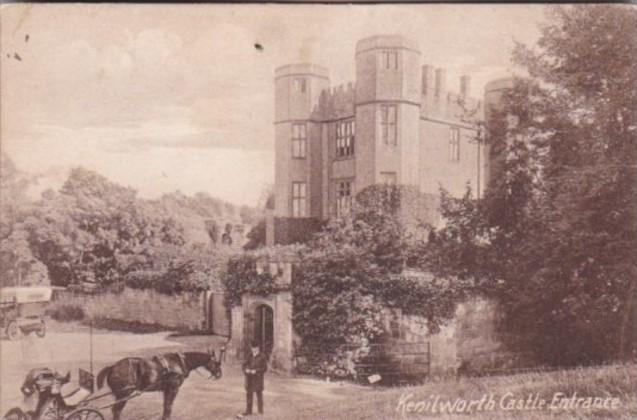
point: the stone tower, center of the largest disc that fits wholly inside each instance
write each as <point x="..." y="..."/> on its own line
<point x="493" y="92"/>
<point x="297" y="91"/>
<point x="388" y="95"/>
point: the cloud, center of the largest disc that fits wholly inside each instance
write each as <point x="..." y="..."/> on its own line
<point x="134" y="91"/>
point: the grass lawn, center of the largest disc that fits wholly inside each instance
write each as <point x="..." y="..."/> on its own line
<point x="605" y="383"/>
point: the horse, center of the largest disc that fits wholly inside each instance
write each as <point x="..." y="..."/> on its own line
<point x="165" y="373"/>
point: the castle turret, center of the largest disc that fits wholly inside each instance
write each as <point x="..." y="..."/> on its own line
<point x="388" y="94"/>
<point x="493" y="93"/>
<point x="297" y="91"/>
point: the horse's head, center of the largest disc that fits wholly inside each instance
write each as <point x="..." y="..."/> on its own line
<point x="214" y="365"/>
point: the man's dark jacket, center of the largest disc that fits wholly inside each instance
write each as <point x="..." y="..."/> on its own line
<point x="254" y="381"/>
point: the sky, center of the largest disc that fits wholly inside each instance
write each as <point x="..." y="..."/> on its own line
<point x="176" y="97"/>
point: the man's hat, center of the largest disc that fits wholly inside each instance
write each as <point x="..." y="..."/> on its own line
<point x="254" y="344"/>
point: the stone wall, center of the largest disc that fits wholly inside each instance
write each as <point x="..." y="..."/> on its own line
<point x="184" y="311"/>
<point x="468" y="343"/>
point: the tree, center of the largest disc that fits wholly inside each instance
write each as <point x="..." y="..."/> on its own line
<point x="13" y="186"/>
<point x="352" y="272"/>
<point x="555" y="236"/>
<point x="212" y="228"/>
<point x="18" y="265"/>
<point x="96" y="231"/>
<point x="256" y="236"/>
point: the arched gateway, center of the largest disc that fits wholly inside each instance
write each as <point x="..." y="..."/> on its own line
<point x="260" y="326"/>
<point x="267" y="319"/>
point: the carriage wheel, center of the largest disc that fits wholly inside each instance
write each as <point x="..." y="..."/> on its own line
<point x="15" y="414"/>
<point x="41" y="331"/>
<point x="85" y="414"/>
<point x="13" y="331"/>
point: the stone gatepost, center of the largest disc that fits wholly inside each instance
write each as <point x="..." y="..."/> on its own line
<point x="236" y="331"/>
<point x="278" y="306"/>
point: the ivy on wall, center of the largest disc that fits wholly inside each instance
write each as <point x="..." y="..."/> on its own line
<point x="242" y="277"/>
<point x="348" y="276"/>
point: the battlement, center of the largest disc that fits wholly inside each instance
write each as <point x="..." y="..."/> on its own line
<point x="439" y="102"/>
<point x="386" y="42"/>
<point x="436" y="99"/>
<point x="337" y="102"/>
<point x="308" y="69"/>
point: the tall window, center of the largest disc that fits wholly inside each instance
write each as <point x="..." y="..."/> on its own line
<point x="299" y="199"/>
<point x="388" y="124"/>
<point x="298" y="85"/>
<point x="343" y="197"/>
<point x="388" y="178"/>
<point x="298" y="141"/>
<point x="390" y="59"/>
<point x="345" y="132"/>
<point x="454" y="145"/>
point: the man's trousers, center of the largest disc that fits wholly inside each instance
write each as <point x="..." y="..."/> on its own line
<point x="249" y="401"/>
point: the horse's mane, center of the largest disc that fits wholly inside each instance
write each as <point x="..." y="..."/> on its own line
<point x="197" y="358"/>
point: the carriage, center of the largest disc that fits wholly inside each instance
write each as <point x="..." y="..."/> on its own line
<point x="56" y="398"/>
<point x="22" y="310"/>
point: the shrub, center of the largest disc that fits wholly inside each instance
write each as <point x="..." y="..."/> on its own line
<point x="67" y="313"/>
<point x="128" y="326"/>
<point x="359" y="267"/>
<point x="242" y="277"/>
<point x="178" y="278"/>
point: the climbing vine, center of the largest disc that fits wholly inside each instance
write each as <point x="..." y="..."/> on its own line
<point x="242" y="277"/>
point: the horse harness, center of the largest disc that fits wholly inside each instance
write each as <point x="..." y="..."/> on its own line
<point x="169" y="368"/>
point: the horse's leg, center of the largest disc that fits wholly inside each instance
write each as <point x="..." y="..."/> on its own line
<point x="170" y="393"/>
<point x="117" y="408"/>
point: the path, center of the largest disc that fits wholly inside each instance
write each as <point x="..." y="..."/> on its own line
<point x="199" y="398"/>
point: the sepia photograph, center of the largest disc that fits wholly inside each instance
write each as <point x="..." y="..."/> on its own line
<point x="300" y="211"/>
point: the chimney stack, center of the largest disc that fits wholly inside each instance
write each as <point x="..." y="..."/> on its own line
<point x="441" y="76"/>
<point x="427" y="79"/>
<point x="465" y="86"/>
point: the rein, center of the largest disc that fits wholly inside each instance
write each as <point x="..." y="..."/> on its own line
<point x="211" y="377"/>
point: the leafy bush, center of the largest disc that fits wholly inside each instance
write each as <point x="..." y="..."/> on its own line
<point x="242" y="277"/>
<point x="256" y="236"/>
<point x="178" y="278"/>
<point x="356" y="269"/>
<point x="67" y="313"/>
<point x="351" y="273"/>
<point x="127" y="326"/>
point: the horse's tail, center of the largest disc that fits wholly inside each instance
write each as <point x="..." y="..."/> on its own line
<point x="104" y="373"/>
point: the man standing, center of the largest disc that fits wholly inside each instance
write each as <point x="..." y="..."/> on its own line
<point x="254" y="369"/>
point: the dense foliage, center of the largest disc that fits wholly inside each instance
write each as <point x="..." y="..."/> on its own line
<point x="348" y="276"/>
<point x="554" y="238"/>
<point x="256" y="236"/>
<point x="18" y="264"/>
<point x="68" y="313"/>
<point x="93" y="231"/>
<point x="242" y="277"/>
<point x="357" y="269"/>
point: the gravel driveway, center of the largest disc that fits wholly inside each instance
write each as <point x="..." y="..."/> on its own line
<point x="66" y="348"/>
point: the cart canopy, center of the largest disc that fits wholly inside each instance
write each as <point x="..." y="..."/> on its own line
<point x="25" y="294"/>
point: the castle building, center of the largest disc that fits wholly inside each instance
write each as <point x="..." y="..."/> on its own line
<point x="397" y="123"/>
